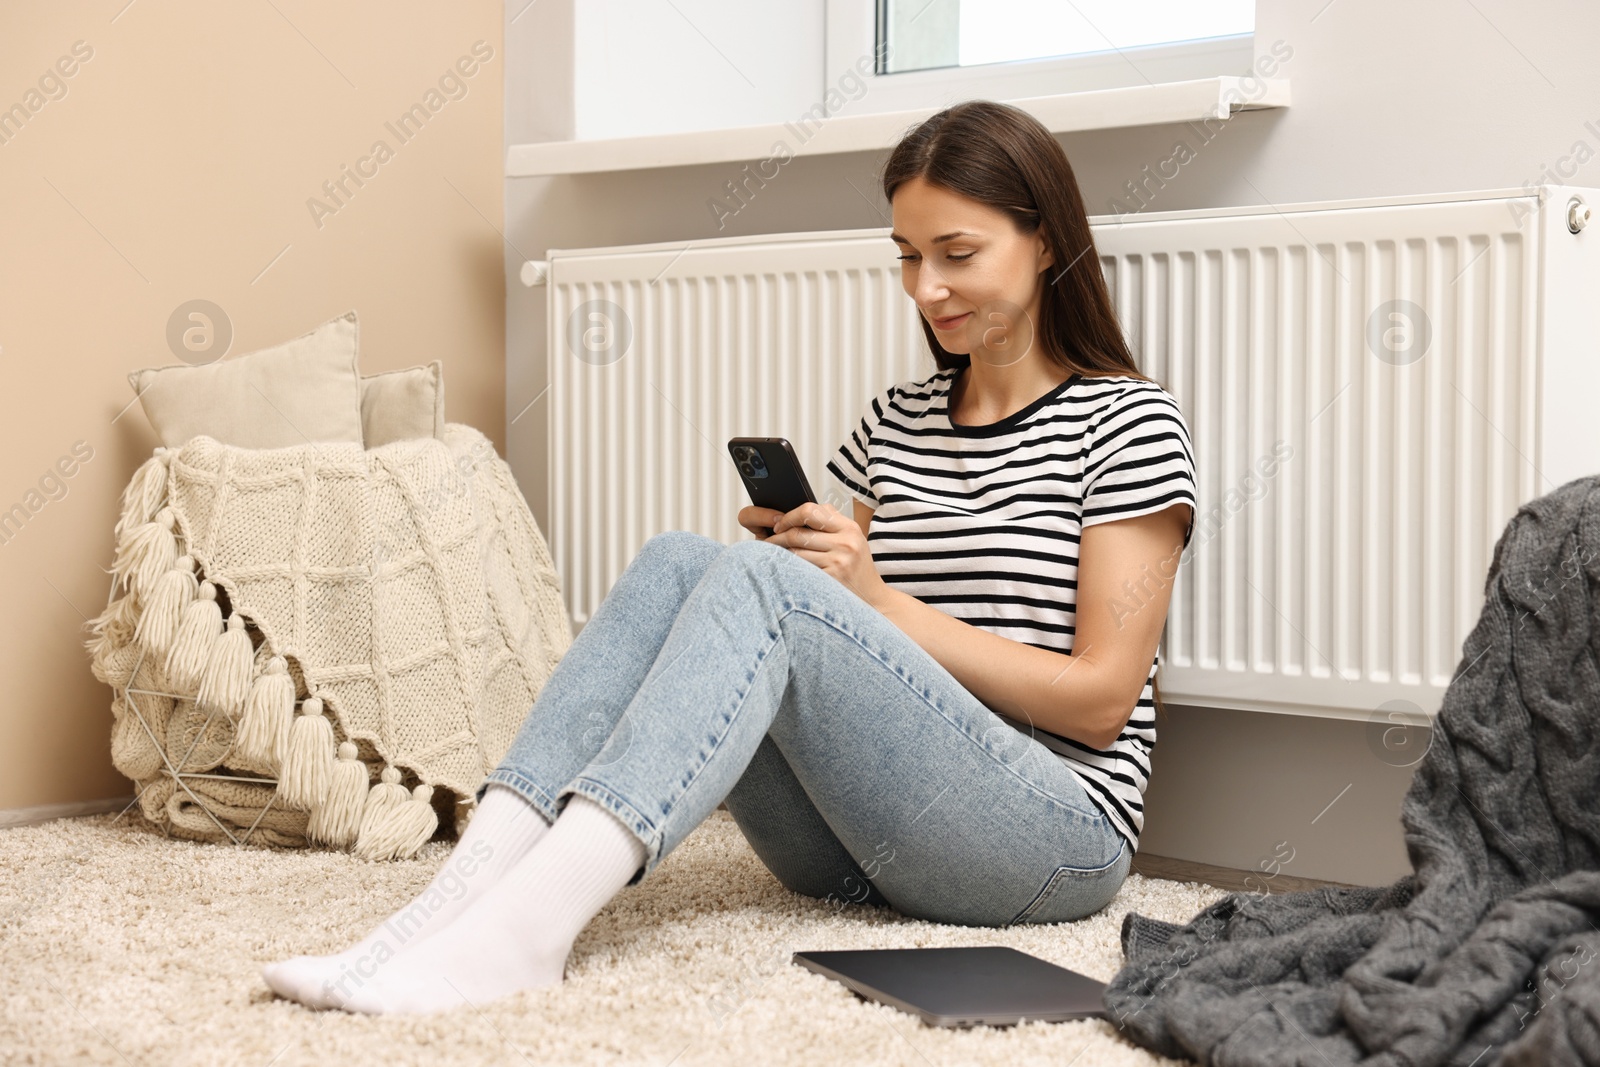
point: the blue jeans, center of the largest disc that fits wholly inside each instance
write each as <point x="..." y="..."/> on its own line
<point x="857" y="767"/>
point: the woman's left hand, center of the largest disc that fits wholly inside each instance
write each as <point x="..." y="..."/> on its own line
<point x="822" y="534"/>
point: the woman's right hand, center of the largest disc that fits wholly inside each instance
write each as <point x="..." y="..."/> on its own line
<point x="758" y="520"/>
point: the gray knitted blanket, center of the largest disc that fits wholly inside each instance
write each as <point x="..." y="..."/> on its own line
<point x="1487" y="952"/>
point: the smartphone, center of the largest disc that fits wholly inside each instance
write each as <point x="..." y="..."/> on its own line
<point x="771" y="472"/>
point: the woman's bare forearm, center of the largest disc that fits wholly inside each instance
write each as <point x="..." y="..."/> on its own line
<point x="1064" y="694"/>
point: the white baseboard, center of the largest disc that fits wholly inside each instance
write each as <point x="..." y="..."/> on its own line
<point x="45" y="812"/>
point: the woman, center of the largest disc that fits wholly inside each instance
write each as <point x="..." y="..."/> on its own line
<point x="955" y="723"/>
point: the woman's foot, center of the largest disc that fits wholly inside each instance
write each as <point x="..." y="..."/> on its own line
<point x="502" y="830"/>
<point x="518" y="934"/>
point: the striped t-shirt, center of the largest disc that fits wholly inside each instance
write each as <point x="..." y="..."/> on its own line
<point x="983" y="522"/>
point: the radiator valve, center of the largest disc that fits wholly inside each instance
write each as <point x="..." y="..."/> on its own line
<point x="1577" y="214"/>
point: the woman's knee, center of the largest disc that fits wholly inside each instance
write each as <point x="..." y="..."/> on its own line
<point x="762" y="558"/>
<point x="679" y="549"/>
<point x="677" y="541"/>
<point x="754" y="548"/>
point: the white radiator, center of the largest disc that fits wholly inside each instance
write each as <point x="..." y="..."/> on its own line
<point x="1352" y="483"/>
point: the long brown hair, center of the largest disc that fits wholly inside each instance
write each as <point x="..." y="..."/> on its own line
<point x="1002" y="156"/>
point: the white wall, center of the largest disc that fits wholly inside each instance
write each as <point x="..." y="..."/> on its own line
<point x="644" y="66"/>
<point x="1389" y="98"/>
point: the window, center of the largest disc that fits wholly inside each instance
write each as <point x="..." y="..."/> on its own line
<point x="931" y="53"/>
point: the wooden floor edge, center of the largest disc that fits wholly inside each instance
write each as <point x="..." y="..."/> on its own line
<point x="1229" y="878"/>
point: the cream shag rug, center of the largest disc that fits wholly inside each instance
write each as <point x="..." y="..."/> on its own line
<point x="121" y="946"/>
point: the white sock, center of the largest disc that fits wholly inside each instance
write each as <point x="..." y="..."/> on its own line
<point x="518" y="934"/>
<point x="502" y="830"/>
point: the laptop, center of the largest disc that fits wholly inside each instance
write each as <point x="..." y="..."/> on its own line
<point x="988" y="985"/>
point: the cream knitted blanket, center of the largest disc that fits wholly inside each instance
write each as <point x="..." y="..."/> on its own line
<point x="306" y="643"/>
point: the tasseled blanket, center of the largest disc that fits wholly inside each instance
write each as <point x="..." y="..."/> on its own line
<point x="305" y="643"/>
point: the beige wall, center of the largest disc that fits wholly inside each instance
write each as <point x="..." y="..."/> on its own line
<point x="176" y="163"/>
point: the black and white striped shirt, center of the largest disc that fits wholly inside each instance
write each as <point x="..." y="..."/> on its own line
<point x="983" y="523"/>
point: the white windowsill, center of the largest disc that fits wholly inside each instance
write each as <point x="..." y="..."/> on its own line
<point x="1139" y="105"/>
